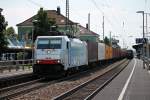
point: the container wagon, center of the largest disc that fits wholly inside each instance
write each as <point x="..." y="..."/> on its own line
<point x="92" y="48"/>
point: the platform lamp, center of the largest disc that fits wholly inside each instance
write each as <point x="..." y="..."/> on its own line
<point x="143" y="21"/>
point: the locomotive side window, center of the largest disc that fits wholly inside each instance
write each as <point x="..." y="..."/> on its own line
<point x="67" y="45"/>
<point x="53" y="43"/>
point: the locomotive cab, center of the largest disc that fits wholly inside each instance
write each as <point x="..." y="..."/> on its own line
<point x="58" y="54"/>
<point x="51" y="53"/>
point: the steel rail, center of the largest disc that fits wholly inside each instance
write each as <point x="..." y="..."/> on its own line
<point x="78" y="88"/>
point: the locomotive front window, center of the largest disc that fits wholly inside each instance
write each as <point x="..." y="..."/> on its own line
<point x="55" y="43"/>
<point x="43" y="44"/>
<point x="49" y="43"/>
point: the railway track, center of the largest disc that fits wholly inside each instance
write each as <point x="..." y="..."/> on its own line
<point x="20" y="89"/>
<point x="17" y="79"/>
<point x="87" y="90"/>
<point x="10" y="86"/>
<point x="23" y="88"/>
<point x="9" y="92"/>
<point x="15" y="90"/>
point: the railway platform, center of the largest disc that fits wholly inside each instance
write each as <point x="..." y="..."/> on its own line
<point x="133" y="83"/>
<point x="15" y="73"/>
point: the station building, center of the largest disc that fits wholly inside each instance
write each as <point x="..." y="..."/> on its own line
<point x="25" y="28"/>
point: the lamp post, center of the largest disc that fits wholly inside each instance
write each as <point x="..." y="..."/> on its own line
<point x="103" y="27"/>
<point x="33" y="22"/>
<point x="143" y="37"/>
<point x="143" y="22"/>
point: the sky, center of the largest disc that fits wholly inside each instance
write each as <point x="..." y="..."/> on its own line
<point x="120" y="16"/>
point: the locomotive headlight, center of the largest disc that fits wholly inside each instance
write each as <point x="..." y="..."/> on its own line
<point x="58" y="61"/>
<point x="38" y="61"/>
<point x="48" y="51"/>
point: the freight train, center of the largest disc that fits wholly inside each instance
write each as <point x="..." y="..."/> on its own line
<point x="59" y="54"/>
<point x="130" y="54"/>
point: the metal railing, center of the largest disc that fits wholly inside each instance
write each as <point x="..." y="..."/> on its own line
<point x="146" y="62"/>
<point x="15" y="65"/>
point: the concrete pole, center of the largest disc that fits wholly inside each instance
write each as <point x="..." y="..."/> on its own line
<point x="103" y="27"/>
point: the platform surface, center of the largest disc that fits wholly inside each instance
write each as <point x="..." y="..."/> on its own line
<point x="133" y="83"/>
<point x="14" y="73"/>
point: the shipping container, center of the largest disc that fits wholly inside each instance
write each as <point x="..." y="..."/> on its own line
<point x="106" y="52"/>
<point x="118" y="52"/>
<point x="101" y="51"/>
<point x="114" y="53"/>
<point x="92" y="51"/>
<point x="110" y="52"/>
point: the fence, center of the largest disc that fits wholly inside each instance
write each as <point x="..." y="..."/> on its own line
<point x="15" y="56"/>
<point x="15" y="65"/>
<point x="146" y="62"/>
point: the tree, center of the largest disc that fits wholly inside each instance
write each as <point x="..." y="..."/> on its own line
<point x="10" y="32"/>
<point x="3" y="39"/>
<point x="42" y="24"/>
<point x="107" y="41"/>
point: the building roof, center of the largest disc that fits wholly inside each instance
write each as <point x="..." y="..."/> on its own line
<point x="85" y="31"/>
<point x="52" y="14"/>
<point x="137" y="46"/>
<point x="60" y="20"/>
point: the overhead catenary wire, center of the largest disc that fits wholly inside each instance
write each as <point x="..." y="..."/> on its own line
<point x="124" y="18"/>
<point x="102" y="12"/>
<point x="119" y="26"/>
<point x="112" y="12"/>
<point x="106" y="4"/>
<point x="35" y="3"/>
